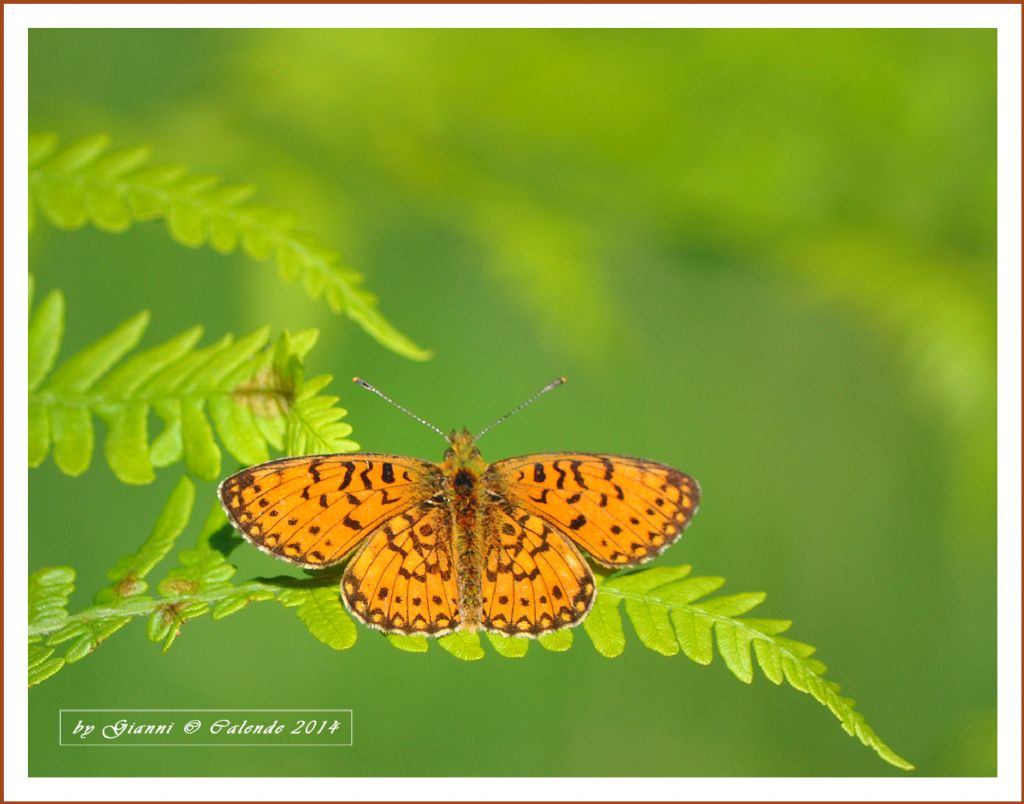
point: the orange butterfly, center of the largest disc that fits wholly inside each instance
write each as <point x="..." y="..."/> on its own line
<point x="463" y="545"/>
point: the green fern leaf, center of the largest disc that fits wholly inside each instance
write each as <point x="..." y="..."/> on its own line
<point x="201" y="578"/>
<point x="670" y="612"/>
<point x="236" y="392"/>
<point x="48" y="593"/>
<point x="238" y="600"/>
<point x="129" y="573"/>
<point x="314" y="425"/>
<point x="769" y="657"/>
<point x="734" y="645"/>
<point x="693" y="630"/>
<point x="604" y="626"/>
<point x="509" y="647"/>
<point x="463" y="645"/>
<point x="650" y="618"/>
<point x="174" y="616"/>
<point x="45" y="332"/>
<point x="410" y="644"/>
<point x="40" y="664"/>
<point x="557" y="641"/>
<point x="321" y="610"/>
<point x="87" y="183"/>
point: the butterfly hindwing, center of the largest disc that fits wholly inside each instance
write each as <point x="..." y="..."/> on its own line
<point x="534" y="579"/>
<point x="314" y="510"/>
<point x="622" y="511"/>
<point x="404" y="579"/>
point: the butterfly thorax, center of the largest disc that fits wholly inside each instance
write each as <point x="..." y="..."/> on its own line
<point x="463" y="467"/>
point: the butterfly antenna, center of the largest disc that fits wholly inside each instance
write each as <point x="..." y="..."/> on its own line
<point x="405" y="410"/>
<point x="550" y="386"/>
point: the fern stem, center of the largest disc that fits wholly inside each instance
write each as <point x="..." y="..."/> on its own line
<point x="145" y="607"/>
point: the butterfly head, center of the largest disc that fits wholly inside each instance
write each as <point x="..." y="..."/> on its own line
<point x="463" y="451"/>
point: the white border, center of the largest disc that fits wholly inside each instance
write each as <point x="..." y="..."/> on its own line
<point x="1006" y="18"/>
<point x="62" y="744"/>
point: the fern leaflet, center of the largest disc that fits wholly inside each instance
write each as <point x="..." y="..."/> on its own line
<point x="87" y="183"/>
<point x="235" y="388"/>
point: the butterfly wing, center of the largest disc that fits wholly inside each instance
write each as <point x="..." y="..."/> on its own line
<point x="403" y="580"/>
<point x="534" y="579"/>
<point x="622" y="511"/>
<point x="314" y="510"/>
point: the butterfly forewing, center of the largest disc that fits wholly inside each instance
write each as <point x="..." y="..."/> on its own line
<point x="622" y="511"/>
<point x="404" y="579"/>
<point x="314" y="510"/>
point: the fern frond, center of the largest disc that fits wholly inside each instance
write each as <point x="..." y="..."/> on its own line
<point x="671" y="612"/>
<point x="200" y="584"/>
<point x="234" y="391"/>
<point x="113" y="606"/>
<point x="87" y="183"/>
<point x="313" y="424"/>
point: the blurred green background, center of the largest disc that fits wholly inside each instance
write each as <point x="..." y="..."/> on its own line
<point x="765" y="257"/>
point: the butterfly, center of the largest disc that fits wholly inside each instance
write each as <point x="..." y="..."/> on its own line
<point x="463" y="544"/>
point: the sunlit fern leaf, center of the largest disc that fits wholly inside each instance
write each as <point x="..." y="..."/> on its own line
<point x="410" y="644"/>
<point x="236" y="392"/>
<point x="42" y="664"/>
<point x="463" y="645"/>
<point x="201" y="580"/>
<point x="45" y="332"/>
<point x="320" y="609"/>
<point x="128" y="573"/>
<point x="87" y="183"/>
<point x="48" y="593"/>
<point x="604" y="626"/>
<point x="508" y="646"/>
<point x="557" y="641"/>
<point x="314" y="423"/>
<point x="238" y="600"/>
<point x="670" y="612"/>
